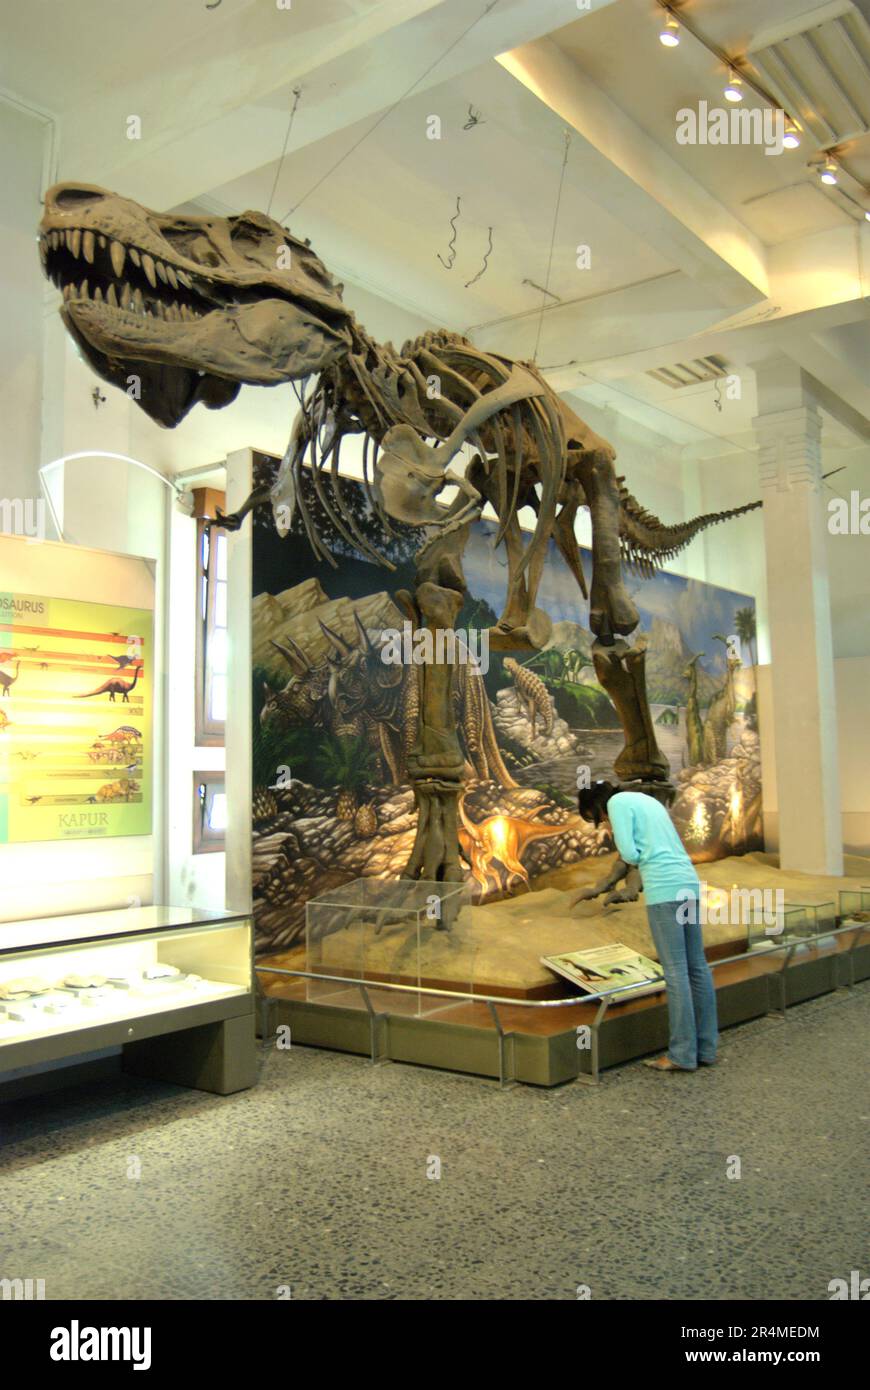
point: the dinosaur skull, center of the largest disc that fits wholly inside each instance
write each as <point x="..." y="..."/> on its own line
<point x="190" y="306"/>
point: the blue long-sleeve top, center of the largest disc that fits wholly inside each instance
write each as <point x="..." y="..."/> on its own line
<point x="645" y="835"/>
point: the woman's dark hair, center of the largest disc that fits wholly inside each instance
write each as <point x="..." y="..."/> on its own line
<point x="592" y="801"/>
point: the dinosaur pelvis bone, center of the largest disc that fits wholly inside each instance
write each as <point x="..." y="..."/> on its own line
<point x="410" y="474"/>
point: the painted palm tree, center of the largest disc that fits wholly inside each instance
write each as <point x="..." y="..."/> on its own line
<point x="744" y="626"/>
<point x="346" y="764"/>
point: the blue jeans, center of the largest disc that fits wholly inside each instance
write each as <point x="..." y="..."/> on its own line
<point x="691" y="992"/>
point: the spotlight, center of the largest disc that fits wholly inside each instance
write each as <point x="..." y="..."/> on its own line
<point x="734" y="89"/>
<point x="829" y="172"/>
<point x="792" y="138"/>
<point x="867" y="215"/>
<point x="670" y="34"/>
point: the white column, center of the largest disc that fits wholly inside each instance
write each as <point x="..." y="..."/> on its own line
<point x="788" y="429"/>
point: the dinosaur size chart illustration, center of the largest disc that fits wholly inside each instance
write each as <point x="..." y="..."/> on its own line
<point x="75" y="719"/>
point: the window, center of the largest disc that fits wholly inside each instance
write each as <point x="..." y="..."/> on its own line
<point x="209" y="812"/>
<point x="211" y="624"/>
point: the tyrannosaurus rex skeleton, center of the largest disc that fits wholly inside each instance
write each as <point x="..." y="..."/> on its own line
<point x="190" y="308"/>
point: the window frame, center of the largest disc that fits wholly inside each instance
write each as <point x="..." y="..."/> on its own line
<point x="210" y="732"/>
<point x="206" y="840"/>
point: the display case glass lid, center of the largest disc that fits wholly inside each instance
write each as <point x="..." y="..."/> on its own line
<point x="123" y="921"/>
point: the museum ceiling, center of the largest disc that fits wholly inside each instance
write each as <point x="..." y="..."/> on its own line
<point x="697" y="253"/>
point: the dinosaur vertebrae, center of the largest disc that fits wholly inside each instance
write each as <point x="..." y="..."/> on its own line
<point x="646" y="542"/>
<point x="533" y="695"/>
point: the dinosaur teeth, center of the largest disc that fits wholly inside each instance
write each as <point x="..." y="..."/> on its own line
<point x="172" y="277"/>
<point x="75" y="241"/>
<point x="111" y="297"/>
<point x="138" y="301"/>
<point x="185" y="279"/>
<point x="135" y="257"/>
<point x="98" y="295"/>
<point x="88" y="246"/>
<point x="101" y="241"/>
<point x="161" y="271"/>
<point x="126" y="296"/>
<point x="148" y="267"/>
<point x="119" y="255"/>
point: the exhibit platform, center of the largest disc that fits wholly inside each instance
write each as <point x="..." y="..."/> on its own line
<point x="477" y="999"/>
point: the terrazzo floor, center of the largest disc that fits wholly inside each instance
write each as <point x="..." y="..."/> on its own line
<point x="318" y="1181"/>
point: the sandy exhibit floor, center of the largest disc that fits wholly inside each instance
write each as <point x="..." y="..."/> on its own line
<point x="500" y="944"/>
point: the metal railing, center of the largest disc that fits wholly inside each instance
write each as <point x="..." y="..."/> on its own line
<point x="603" y="998"/>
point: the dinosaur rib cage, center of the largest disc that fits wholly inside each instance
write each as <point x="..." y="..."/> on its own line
<point x="519" y="446"/>
<point x="522" y="449"/>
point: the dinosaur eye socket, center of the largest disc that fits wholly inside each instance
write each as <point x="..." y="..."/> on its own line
<point x="248" y="235"/>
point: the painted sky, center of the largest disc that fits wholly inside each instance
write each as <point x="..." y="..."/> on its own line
<point x="699" y="610"/>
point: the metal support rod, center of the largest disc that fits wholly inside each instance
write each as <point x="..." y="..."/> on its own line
<point x="504" y="1080"/>
<point x="780" y="977"/>
<point x="593" y="1077"/>
<point x="374" y="1018"/>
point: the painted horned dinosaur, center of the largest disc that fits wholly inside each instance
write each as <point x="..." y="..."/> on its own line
<point x="190" y="308"/>
<point x="355" y="693"/>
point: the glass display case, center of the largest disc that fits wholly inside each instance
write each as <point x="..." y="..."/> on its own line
<point x="135" y="978"/>
<point x="800" y="922"/>
<point x="402" y="931"/>
<point x="854" y="906"/>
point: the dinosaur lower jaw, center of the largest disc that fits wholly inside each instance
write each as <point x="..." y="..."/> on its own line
<point x="166" y="393"/>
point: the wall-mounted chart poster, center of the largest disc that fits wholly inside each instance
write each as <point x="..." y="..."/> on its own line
<point x="75" y="719"/>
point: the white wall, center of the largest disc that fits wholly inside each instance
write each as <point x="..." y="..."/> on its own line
<point x="22" y="138"/>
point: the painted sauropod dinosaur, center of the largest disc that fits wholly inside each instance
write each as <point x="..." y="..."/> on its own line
<point x="6" y="680"/>
<point x="694" y="725"/>
<point x="722" y="708"/>
<point x="532" y="694"/>
<point x="112" y="688"/>
<point x="186" y="309"/>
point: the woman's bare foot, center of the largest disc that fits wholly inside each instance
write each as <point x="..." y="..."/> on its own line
<point x="664" y="1064"/>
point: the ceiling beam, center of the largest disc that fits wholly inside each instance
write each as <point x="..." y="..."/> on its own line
<point x="639" y="181"/>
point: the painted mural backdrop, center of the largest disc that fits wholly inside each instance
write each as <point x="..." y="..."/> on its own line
<point x="333" y="722"/>
<point x="75" y="719"/>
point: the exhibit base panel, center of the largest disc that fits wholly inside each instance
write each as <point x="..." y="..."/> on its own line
<point x="218" y="1057"/>
<point x="541" y="1047"/>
